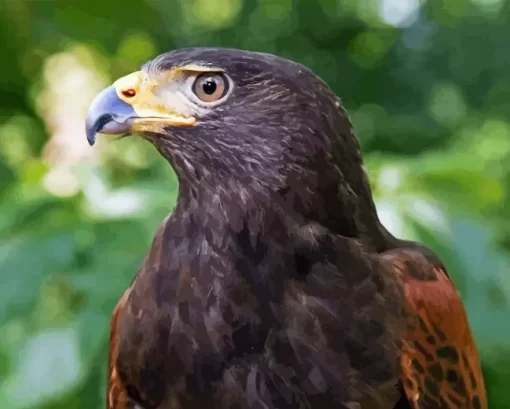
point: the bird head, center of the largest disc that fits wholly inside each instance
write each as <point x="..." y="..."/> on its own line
<point x="245" y="123"/>
<point x="225" y="112"/>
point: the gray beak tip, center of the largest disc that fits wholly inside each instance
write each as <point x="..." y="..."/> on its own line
<point x="108" y="114"/>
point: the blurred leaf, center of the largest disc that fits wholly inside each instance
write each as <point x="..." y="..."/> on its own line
<point x="489" y="272"/>
<point x="48" y="366"/>
<point x="450" y="178"/>
<point x="28" y="260"/>
<point x="7" y="176"/>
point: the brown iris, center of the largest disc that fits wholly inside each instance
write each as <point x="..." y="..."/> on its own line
<point x="210" y="87"/>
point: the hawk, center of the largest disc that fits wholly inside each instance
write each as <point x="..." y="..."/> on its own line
<point x="273" y="284"/>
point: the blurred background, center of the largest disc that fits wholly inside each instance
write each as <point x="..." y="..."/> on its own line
<point x="428" y="87"/>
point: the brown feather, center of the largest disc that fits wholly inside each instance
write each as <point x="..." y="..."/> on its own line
<point x="117" y="397"/>
<point x="440" y="365"/>
<point x="266" y="287"/>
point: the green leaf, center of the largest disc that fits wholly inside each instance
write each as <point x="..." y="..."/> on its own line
<point x="49" y="365"/>
<point x="24" y="264"/>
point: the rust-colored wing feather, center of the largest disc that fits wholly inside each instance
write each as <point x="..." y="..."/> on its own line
<point x="117" y="397"/>
<point x="440" y="365"/>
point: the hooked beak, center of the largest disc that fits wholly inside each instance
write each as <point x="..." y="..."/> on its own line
<point x="108" y="114"/>
<point x="131" y="105"/>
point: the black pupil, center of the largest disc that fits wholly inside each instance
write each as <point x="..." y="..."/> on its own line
<point x="209" y="86"/>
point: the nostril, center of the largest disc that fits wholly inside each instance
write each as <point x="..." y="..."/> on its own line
<point x="129" y="93"/>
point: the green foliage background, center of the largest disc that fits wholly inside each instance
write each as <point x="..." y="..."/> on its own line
<point x="429" y="96"/>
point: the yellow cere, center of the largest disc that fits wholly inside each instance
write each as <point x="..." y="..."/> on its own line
<point x="129" y="82"/>
<point x="138" y="90"/>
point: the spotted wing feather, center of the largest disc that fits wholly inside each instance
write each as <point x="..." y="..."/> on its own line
<point x="440" y="364"/>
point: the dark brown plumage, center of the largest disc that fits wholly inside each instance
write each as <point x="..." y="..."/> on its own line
<point x="273" y="284"/>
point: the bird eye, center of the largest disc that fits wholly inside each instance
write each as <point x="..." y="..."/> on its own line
<point x="210" y="87"/>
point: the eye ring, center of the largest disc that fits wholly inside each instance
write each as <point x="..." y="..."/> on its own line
<point x="210" y="87"/>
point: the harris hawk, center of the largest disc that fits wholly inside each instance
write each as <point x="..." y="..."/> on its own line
<point x="273" y="284"/>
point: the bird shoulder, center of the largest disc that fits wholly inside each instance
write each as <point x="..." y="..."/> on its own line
<point x="440" y="365"/>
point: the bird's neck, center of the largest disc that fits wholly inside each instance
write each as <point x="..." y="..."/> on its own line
<point x="225" y="233"/>
<point x="275" y="214"/>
